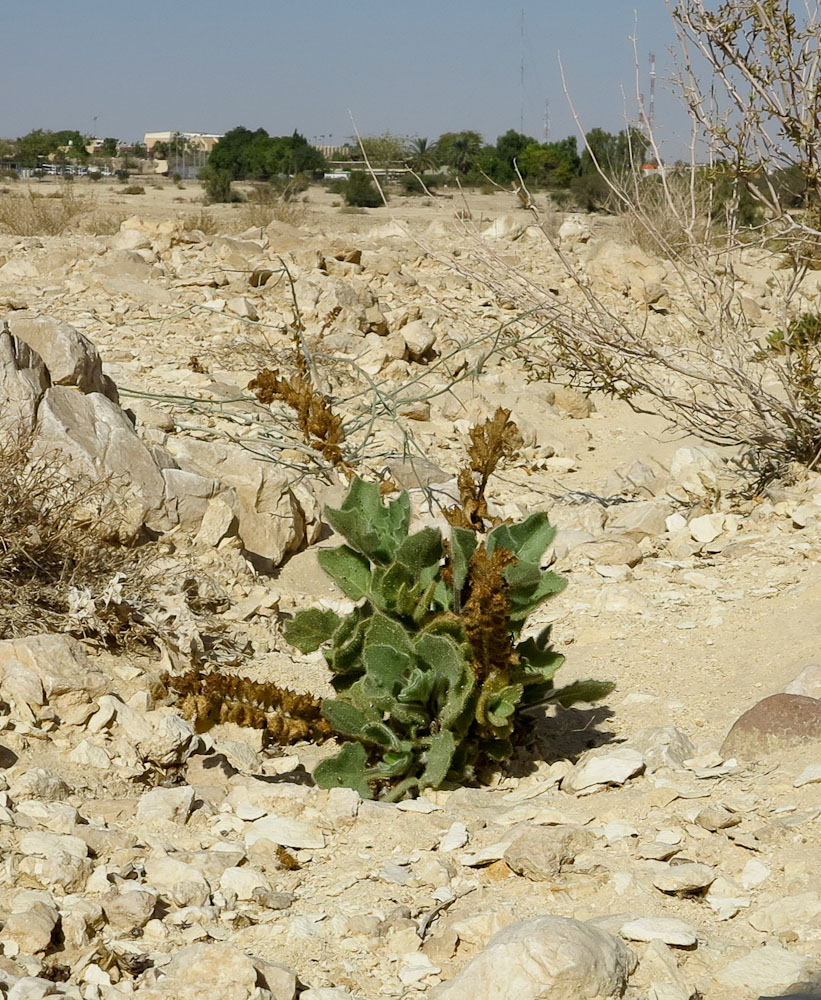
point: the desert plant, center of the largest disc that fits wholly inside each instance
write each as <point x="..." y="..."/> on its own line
<point x="321" y="427"/>
<point x="52" y="538"/>
<point x="32" y="214"/>
<point x="267" y="203"/>
<point x="202" y="220"/>
<point x="217" y="186"/>
<point x="420" y="183"/>
<point x="361" y="192"/>
<point x="430" y="668"/>
<point x="133" y="189"/>
<point x="209" y="698"/>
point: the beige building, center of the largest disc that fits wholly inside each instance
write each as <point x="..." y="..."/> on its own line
<point x="204" y="141"/>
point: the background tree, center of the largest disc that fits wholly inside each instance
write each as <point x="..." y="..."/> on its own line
<point x="109" y="146"/>
<point x="459" y="149"/>
<point x="248" y="155"/>
<point x="551" y="164"/>
<point x="614" y="154"/>
<point x="422" y="155"/>
<point x="361" y="192"/>
<point x="41" y="144"/>
<point x="386" y="150"/>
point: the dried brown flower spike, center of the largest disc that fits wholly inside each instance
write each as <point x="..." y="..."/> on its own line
<point x="496" y="439"/>
<point x="287" y="717"/>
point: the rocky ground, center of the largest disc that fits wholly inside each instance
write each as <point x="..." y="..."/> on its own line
<point x="638" y="849"/>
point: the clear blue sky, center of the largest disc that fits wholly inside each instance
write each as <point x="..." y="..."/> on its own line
<point x="416" y="67"/>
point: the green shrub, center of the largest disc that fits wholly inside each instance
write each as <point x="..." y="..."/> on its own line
<point x="361" y="192"/>
<point x="217" y="185"/>
<point x="133" y="189"/>
<point x="430" y="668"/>
<point x="122" y="175"/>
<point x="413" y="183"/>
<point x="337" y="185"/>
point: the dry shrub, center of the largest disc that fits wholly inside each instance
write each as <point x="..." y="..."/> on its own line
<point x="34" y="214"/>
<point x="266" y="204"/>
<point x="53" y="541"/>
<point x="201" y="220"/>
<point x="664" y="217"/>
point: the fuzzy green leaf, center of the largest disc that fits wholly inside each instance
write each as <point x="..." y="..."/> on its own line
<point x="502" y="705"/>
<point x="385" y="631"/>
<point x="389" y="589"/>
<point x="345" y="770"/>
<point x="386" y="665"/>
<point x="455" y="682"/>
<point x="439" y="757"/>
<point x="405" y="787"/>
<point x="419" y="686"/>
<point x="538" y="658"/>
<point x="588" y="690"/>
<point x="368" y="525"/>
<point x="343" y="717"/>
<point x="526" y="540"/>
<point x="308" y="629"/>
<point x="394" y="764"/>
<point x="345" y="656"/>
<point x="524" y="599"/>
<point x="462" y="545"/>
<point x="383" y="736"/>
<point x="349" y="570"/>
<point x="424" y="549"/>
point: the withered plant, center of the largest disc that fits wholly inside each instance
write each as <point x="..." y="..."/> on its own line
<point x="53" y="537"/>
<point x="494" y="440"/>
<point x="321" y="427"/>
<point x="211" y="698"/>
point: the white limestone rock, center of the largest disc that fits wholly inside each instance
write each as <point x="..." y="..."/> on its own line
<point x="546" y="956"/>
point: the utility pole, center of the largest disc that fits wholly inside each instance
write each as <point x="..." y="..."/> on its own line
<point x="547" y="121"/>
<point x="522" y="71"/>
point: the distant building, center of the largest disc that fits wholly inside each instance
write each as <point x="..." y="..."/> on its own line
<point x="332" y="152"/>
<point x="204" y="141"/>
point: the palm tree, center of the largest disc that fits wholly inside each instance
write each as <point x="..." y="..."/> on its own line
<point x="422" y="156"/>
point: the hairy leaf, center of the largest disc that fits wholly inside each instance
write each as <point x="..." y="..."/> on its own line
<point x="348" y="569"/>
<point x="588" y="690"/>
<point x="345" y="770"/>
<point x="438" y="759"/>
<point x="308" y="629"/>
<point x="527" y="540"/>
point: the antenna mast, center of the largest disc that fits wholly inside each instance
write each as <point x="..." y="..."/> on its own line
<point x="547" y="121"/>
<point x="522" y="71"/>
<point x="651" y="116"/>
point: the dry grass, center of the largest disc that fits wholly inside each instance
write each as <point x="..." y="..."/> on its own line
<point x="58" y="213"/>
<point x="52" y="541"/>
<point x="265" y="204"/>
<point x="202" y="220"/>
